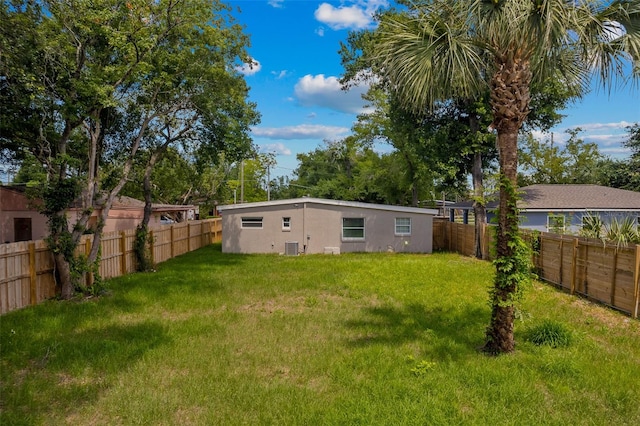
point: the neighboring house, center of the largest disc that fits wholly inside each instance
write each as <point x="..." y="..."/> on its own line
<point x="313" y="225"/>
<point x="20" y="220"/>
<point x="19" y="217"/>
<point x="552" y="208"/>
<point x="127" y="213"/>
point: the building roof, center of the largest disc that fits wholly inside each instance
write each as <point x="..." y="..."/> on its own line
<point x="308" y="200"/>
<point x="123" y="202"/>
<point x="569" y="197"/>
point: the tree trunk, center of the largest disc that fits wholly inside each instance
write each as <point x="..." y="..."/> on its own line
<point x="500" y="332"/>
<point x="479" y="209"/>
<point x="146" y="185"/>
<point x="63" y="271"/>
<point x="510" y="99"/>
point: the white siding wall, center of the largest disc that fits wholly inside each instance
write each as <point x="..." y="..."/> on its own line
<point x="317" y="227"/>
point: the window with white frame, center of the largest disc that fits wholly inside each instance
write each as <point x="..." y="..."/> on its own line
<point x="556" y="222"/>
<point x="353" y="228"/>
<point x="403" y="226"/>
<point x="286" y="224"/>
<point x="252" y="222"/>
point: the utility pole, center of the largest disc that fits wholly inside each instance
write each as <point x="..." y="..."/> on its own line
<point x="268" y="181"/>
<point x="242" y="182"/>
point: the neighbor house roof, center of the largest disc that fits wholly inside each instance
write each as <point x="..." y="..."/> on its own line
<point x="569" y="197"/>
<point x="123" y="202"/>
<point x="323" y="201"/>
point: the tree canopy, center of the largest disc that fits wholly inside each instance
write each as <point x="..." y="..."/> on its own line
<point x="89" y="83"/>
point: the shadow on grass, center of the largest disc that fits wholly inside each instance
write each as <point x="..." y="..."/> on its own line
<point x="445" y="334"/>
<point x="191" y="274"/>
<point x="70" y="369"/>
<point x="205" y="258"/>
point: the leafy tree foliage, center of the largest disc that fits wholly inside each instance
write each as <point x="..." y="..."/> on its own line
<point x="545" y="162"/>
<point x="93" y="82"/>
<point x="351" y="170"/>
<point x="624" y="174"/>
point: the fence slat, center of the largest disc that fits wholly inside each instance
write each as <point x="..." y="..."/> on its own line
<point x="574" y="265"/>
<point x="614" y="271"/>
<point x="32" y="273"/>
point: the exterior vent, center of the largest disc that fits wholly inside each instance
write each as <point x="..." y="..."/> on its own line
<point x="291" y="248"/>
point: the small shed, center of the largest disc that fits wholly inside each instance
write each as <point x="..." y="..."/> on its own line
<point x="315" y="225"/>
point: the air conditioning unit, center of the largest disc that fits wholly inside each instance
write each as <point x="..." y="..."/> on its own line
<point x="291" y="248"/>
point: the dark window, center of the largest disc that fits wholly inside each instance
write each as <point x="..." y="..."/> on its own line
<point x="22" y="229"/>
<point x="252" y="222"/>
<point x="353" y="228"/>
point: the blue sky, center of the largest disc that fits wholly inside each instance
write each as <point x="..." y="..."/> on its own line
<point x="295" y="84"/>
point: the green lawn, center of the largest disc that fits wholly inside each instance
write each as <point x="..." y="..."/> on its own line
<point x="386" y="339"/>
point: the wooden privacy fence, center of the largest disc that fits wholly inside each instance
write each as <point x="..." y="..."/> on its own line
<point x="27" y="268"/>
<point x="588" y="267"/>
<point x="458" y="237"/>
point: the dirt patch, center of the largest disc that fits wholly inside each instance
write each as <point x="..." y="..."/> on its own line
<point x="605" y="315"/>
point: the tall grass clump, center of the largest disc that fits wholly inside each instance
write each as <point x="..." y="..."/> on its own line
<point x="550" y="333"/>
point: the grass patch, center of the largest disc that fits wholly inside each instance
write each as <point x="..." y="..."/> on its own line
<point x="213" y="338"/>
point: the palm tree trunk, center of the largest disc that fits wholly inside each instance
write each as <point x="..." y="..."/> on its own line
<point x="499" y="335"/>
<point x="510" y="99"/>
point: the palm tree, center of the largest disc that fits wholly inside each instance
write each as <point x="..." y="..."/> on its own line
<point x="443" y="49"/>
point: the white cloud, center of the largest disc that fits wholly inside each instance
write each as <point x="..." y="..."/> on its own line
<point x="609" y="137"/>
<point x="605" y="140"/>
<point x="356" y="16"/>
<point x="250" y="68"/>
<point x="327" y="92"/>
<point x="617" y="152"/>
<point x="277" y="148"/>
<point x="320" y="31"/>
<point x="280" y="74"/>
<point x="590" y="127"/>
<point x="278" y="4"/>
<point x="302" y="131"/>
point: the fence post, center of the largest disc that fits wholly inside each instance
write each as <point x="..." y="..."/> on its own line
<point x="171" y="235"/>
<point x="636" y="281"/>
<point x="123" y="250"/>
<point x="188" y="237"/>
<point x="561" y="266"/>
<point x="152" y="243"/>
<point x="585" y="270"/>
<point x="574" y="265"/>
<point x="613" y="276"/>
<point x="32" y="273"/>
